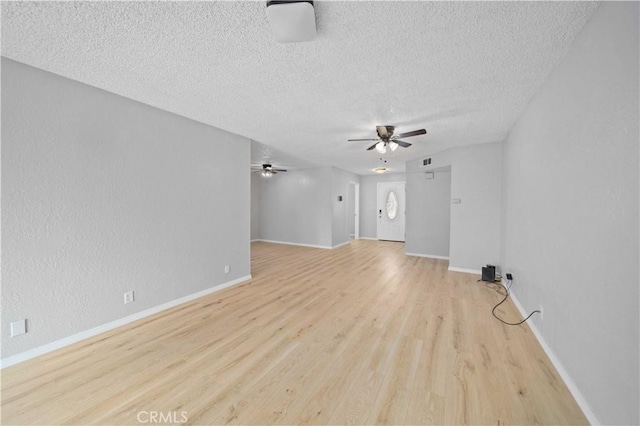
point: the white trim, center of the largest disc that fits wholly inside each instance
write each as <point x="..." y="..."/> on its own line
<point x="573" y="388"/>
<point x="430" y="256"/>
<point x="368" y="238"/>
<point x="296" y="244"/>
<point x="253" y="241"/>
<point x="465" y="270"/>
<point x="66" y="341"/>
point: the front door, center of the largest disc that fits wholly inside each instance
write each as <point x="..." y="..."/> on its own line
<point x="391" y="210"/>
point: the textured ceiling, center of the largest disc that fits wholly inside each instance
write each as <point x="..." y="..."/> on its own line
<point x="463" y="70"/>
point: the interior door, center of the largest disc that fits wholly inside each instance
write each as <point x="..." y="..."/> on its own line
<point x="391" y="211"/>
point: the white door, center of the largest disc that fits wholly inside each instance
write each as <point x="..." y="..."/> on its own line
<point x="391" y="209"/>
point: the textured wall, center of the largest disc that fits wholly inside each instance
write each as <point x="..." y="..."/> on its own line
<point x="429" y="213"/>
<point x="101" y="195"/>
<point x="475" y="223"/>
<point x="296" y="207"/>
<point x="571" y="211"/>
<point x="476" y="176"/>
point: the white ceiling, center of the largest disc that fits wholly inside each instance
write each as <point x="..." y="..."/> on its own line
<point x="463" y="70"/>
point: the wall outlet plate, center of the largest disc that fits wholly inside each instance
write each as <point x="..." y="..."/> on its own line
<point x="128" y="297"/>
<point x="18" y="327"/>
<point x="226" y="269"/>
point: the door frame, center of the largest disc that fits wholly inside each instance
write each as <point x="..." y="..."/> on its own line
<point x="355" y="215"/>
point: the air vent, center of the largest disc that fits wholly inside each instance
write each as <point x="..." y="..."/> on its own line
<point x="426" y="162"/>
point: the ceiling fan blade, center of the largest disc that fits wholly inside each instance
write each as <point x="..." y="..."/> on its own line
<point x="372" y="146"/>
<point x="358" y="140"/>
<point x="402" y="143"/>
<point x="414" y="133"/>
<point x="385" y="132"/>
<point x="278" y="170"/>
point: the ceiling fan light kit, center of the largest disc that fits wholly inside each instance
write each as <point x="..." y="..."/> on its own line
<point x="387" y="139"/>
<point x="267" y="170"/>
<point x="292" y="21"/>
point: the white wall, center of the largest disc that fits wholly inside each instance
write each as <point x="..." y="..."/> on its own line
<point x="296" y="207"/>
<point x="571" y="212"/>
<point x="369" y="201"/>
<point x="101" y="195"/>
<point x="429" y="213"/>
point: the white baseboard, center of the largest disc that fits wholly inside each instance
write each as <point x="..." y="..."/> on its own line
<point x="465" y="270"/>
<point x="577" y="395"/>
<point x="341" y="244"/>
<point x="66" y="341"/>
<point x="368" y="238"/>
<point x="296" y="244"/>
<point x="430" y="256"/>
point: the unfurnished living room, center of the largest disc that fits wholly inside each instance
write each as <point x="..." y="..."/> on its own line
<point x="320" y="212"/>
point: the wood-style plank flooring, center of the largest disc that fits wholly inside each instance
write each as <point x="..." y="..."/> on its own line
<point x="357" y="335"/>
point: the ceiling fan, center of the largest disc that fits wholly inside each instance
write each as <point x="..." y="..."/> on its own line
<point x="267" y="170"/>
<point x="386" y="138"/>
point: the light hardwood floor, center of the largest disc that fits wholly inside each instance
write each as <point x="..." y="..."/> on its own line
<point x="357" y="335"/>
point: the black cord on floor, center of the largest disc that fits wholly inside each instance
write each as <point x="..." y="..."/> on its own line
<point x="506" y="296"/>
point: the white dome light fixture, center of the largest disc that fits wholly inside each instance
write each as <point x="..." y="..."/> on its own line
<point x="380" y="170"/>
<point x="381" y="147"/>
<point x="393" y="145"/>
<point x="292" y="21"/>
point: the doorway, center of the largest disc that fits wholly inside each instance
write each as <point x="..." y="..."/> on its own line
<point x="354" y="210"/>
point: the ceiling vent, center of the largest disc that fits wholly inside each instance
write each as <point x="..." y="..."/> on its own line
<point x="426" y="162"/>
<point x="292" y="21"/>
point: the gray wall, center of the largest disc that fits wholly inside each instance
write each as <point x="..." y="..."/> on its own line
<point x="429" y="213"/>
<point x="296" y="207"/>
<point x="302" y="207"/>
<point x="368" y="201"/>
<point x="571" y="211"/>
<point x="476" y="179"/>
<point x="101" y="195"/>
<point x="475" y="223"/>
<point x="255" y="205"/>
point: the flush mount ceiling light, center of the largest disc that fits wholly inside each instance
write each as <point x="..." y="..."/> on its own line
<point x="292" y="21"/>
<point x="380" y="170"/>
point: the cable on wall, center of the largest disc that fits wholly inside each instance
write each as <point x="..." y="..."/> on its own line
<point x="506" y="296"/>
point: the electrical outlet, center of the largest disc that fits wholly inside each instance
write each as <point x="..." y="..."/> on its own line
<point x="226" y="269"/>
<point x="18" y="328"/>
<point x="541" y="309"/>
<point x="128" y="297"/>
